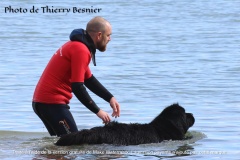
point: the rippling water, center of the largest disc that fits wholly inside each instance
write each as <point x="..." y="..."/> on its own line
<point x="161" y="52"/>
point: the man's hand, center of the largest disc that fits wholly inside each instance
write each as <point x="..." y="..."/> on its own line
<point x="115" y="106"/>
<point x="116" y="111"/>
<point x="104" y="116"/>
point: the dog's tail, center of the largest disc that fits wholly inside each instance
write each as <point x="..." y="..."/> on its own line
<point x="75" y="138"/>
<point x="67" y="140"/>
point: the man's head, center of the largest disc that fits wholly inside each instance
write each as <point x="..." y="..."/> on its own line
<point x="100" y="31"/>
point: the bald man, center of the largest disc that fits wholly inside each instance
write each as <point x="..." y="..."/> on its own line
<point x="68" y="71"/>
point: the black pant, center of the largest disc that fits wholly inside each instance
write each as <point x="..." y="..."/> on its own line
<point x="56" y="117"/>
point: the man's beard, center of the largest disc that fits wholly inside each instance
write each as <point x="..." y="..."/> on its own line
<point x="101" y="47"/>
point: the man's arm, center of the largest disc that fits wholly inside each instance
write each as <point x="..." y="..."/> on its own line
<point x="81" y="93"/>
<point x="96" y="87"/>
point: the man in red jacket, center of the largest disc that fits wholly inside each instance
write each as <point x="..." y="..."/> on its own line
<point x="68" y="71"/>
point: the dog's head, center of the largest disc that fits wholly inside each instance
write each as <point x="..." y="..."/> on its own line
<point x="175" y="117"/>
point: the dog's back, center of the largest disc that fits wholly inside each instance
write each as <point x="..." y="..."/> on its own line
<point x="112" y="133"/>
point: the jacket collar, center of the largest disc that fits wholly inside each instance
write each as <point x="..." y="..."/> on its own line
<point x="81" y="35"/>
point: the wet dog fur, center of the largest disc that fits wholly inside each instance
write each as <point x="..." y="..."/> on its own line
<point x="171" y="124"/>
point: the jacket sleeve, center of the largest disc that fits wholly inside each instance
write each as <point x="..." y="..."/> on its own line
<point x="81" y="93"/>
<point x="96" y="87"/>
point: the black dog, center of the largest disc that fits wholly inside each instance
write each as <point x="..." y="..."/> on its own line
<point x="171" y="124"/>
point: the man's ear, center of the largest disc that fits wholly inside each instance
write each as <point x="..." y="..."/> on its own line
<point x="99" y="35"/>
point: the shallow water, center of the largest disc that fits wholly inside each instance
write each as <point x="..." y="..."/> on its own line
<point x="161" y="52"/>
<point x="31" y="145"/>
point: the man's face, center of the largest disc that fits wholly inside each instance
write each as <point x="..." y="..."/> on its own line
<point x="104" y="38"/>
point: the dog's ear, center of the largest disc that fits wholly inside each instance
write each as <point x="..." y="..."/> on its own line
<point x="173" y="111"/>
<point x="170" y="113"/>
